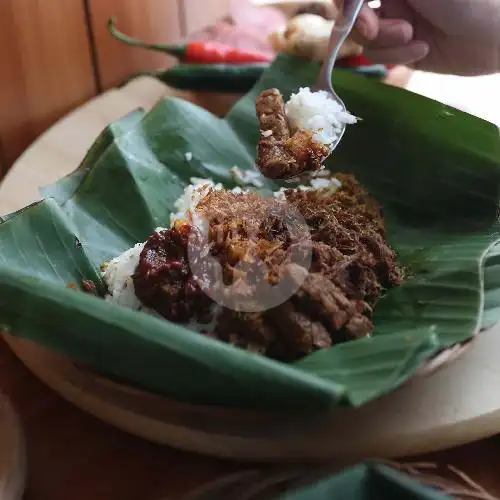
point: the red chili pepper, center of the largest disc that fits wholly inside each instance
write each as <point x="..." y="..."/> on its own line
<point x="355" y="61"/>
<point x="358" y="62"/>
<point x="197" y="52"/>
<point x="214" y="53"/>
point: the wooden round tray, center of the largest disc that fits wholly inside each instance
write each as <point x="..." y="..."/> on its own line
<point x="12" y="454"/>
<point x="461" y="403"/>
<point x="458" y="404"/>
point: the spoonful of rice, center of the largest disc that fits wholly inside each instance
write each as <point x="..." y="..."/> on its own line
<point x="298" y="136"/>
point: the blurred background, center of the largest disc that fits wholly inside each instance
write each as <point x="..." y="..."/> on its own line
<point x="56" y="58"/>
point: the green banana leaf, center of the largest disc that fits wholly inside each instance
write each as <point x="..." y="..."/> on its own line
<point x="436" y="171"/>
<point x="367" y="482"/>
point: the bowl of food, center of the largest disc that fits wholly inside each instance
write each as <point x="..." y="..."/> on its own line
<point x="168" y="265"/>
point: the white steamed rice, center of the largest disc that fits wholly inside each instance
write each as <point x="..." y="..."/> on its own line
<point x="316" y="111"/>
<point x="193" y="194"/>
<point x="118" y="277"/>
<point x="247" y="177"/>
<point x="317" y="182"/>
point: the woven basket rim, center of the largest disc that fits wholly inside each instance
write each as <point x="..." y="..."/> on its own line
<point x="427" y="474"/>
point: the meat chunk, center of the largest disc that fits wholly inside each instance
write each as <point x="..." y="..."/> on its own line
<point x="257" y="242"/>
<point x="318" y="316"/>
<point x="283" y="153"/>
<point x="297" y="334"/>
<point x="247" y="330"/>
<point x="326" y="302"/>
<point x="163" y="280"/>
<point x="350" y="246"/>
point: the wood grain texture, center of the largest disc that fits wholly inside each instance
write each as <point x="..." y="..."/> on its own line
<point x="46" y="68"/>
<point x="69" y="451"/>
<point x="156" y="21"/>
<point x="72" y="455"/>
<point x="3" y="161"/>
<point x="12" y="453"/>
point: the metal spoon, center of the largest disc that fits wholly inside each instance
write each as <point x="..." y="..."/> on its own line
<point x="340" y="32"/>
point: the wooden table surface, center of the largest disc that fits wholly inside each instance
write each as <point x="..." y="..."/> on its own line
<point x="73" y="455"/>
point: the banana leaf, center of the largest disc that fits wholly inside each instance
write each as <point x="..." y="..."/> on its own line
<point x="435" y="170"/>
<point x="368" y="481"/>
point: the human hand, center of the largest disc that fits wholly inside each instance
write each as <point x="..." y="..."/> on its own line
<point x="444" y="36"/>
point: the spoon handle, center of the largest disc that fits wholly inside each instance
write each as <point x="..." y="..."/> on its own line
<point x="340" y="32"/>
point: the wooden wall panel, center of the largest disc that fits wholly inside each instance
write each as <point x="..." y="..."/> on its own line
<point x="150" y="20"/>
<point x="56" y="54"/>
<point x="45" y="70"/>
<point x="201" y="13"/>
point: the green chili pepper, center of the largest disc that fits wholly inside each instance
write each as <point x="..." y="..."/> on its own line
<point x="174" y="50"/>
<point x="223" y="78"/>
<point x="229" y="78"/>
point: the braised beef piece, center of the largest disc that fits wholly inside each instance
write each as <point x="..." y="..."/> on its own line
<point x="163" y="280"/>
<point x="316" y="317"/>
<point x="284" y="332"/>
<point x="297" y="334"/>
<point x="244" y="329"/>
<point x="258" y="242"/>
<point x="283" y="153"/>
<point x="350" y="222"/>
<point x="352" y="264"/>
<point x="325" y="301"/>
